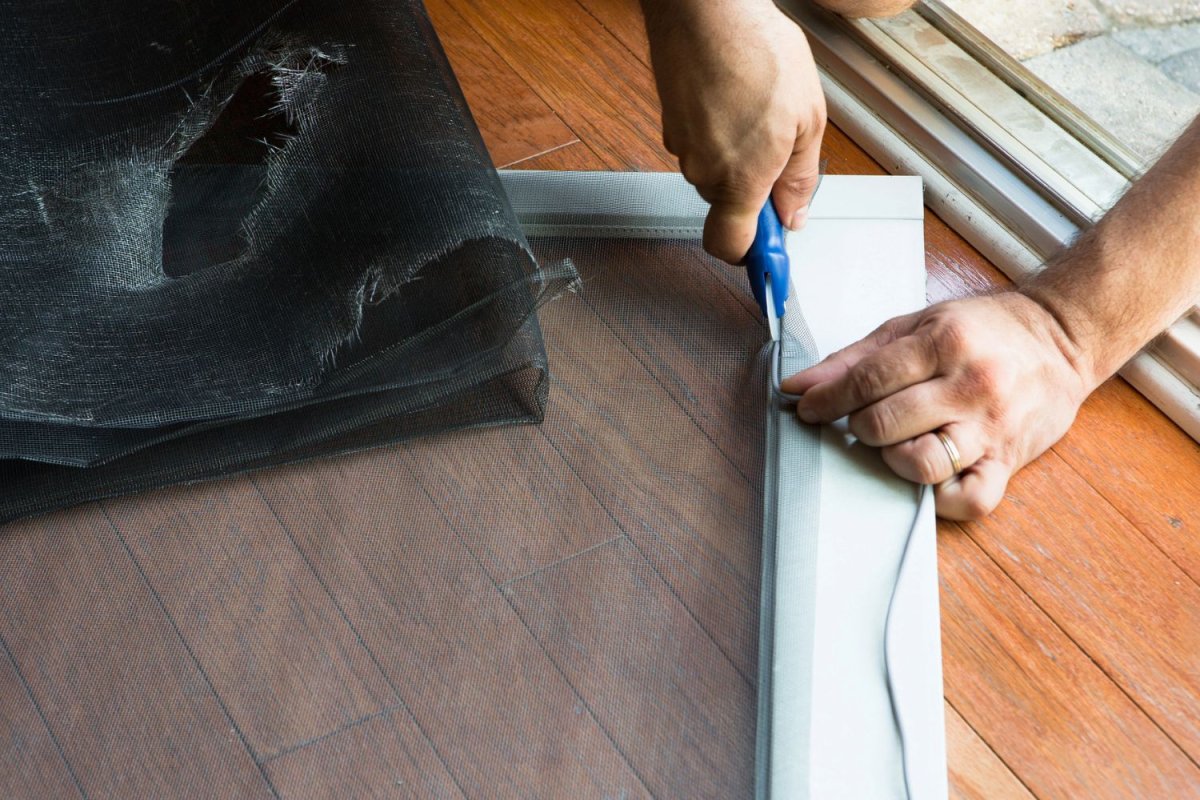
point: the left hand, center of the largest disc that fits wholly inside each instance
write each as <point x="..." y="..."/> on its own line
<point x="998" y="375"/>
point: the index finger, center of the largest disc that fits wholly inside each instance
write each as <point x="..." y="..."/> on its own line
<point x="836" y="365"/>
<point x="880" y="374"/>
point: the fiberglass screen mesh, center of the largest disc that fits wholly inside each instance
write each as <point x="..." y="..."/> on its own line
<point x="241" y="234"/>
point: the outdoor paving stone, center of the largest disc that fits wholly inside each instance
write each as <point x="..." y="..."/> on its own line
<point x="1032" y="27"/>
<point x="1152" y="12"/>
<point x="1184" y="68"/>
<point x="1123" y="92"/>
<point x="1159" y="44"/>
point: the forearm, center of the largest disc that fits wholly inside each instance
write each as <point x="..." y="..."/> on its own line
<point x="1135" y="272"/>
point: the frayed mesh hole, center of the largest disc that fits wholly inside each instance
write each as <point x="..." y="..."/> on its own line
<point x="221" y="177"/>
<point x="251" y="125"/>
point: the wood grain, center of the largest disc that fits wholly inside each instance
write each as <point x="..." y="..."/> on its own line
<point x="517" y="510"/>
<point x="380" y="625"/>
<point x="594" y="84"/>
<point x="690" y="511"/>
<point x="975" y="771"/>
<point x="31" y="764"/>
<point x="575" y="156"/>
<point x="253" y="614"/>
<point x="133" y="714"/>
<point x="1115" y="594"/>
<point x="516" y="124"/>
<point x="500" y="716"/>
<point x="1037" y="699"/>
<point x="384" y="756"/>
<point x="1142" y="464"/>
<point x="955" y="268"/>
<point x="691" y="323"/>
<point x="623" y="21"/>
<point x="670" y="700"/>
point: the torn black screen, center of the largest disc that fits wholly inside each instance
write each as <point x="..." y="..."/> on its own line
<point x="238" y="234"/>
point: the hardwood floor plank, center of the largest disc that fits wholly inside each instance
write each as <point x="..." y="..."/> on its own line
<point x="538" y="703"/>
<point x="976" y="772"/>
<point x="133" y="714"/>
<point x="31" y="764"/>
<point x="1038" y="700"/>
<point x="517" y="510"/>
<point x="516" y="124"/>
<point x="1109" y="588"/>
<point x="594" y="84"/>
<point x="623" y="19"/>
<point x="500" y="715"/>
<point x="384" y="756"/>
<point x="1144" y="465"/>
<point x="692" y="324"/>
<point x="955" y="268"/>
<point x="286" y="665"/>
<point x="672" y="702"/>
<point x="693" y="514"/>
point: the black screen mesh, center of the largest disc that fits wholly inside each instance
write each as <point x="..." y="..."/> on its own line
<point x="236" y="234"/>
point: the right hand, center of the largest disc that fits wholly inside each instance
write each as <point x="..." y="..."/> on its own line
<point x="743" y="111"/>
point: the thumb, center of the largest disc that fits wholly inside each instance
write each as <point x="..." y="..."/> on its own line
<point x="730" y="228"/>
<point x="797" y="183"/>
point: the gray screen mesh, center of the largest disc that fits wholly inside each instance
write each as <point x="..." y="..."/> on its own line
<point x="561" y="610"/>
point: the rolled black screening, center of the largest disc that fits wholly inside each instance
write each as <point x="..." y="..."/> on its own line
<point x="237" y="234"/>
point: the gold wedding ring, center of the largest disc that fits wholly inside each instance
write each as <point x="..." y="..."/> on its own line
<point x="951" y="450"/>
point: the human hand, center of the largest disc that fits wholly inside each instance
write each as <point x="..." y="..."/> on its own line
<point x="997" y="375"/>
<point x="743" y="111"/>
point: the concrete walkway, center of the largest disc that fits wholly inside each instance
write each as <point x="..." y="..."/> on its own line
<point x="1132" y="65"/>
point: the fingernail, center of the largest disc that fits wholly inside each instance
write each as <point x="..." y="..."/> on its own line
<point x="806" y="414"/>
<point x="798" y="219"/>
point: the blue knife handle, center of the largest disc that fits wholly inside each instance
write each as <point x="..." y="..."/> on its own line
<point x="767" y="260"/>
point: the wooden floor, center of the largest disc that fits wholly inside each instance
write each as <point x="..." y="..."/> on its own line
<point x="142" y="656"/>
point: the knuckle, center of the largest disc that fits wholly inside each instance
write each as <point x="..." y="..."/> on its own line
<point x="722" y="186"/>
<point x="735" y="181"/>
<point x="818" y="119"/>
<point x="781" y="140"/>
<point x="694" y="171"/>
<point x="913" y="462"/>
<point x="795" y="184"/>
<point x="873" y="425"/>
<point x="985" y="380"/>
<point x="951" y="338"/>
<point x="866" y="383"/>
<point x="886" y="333"/>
